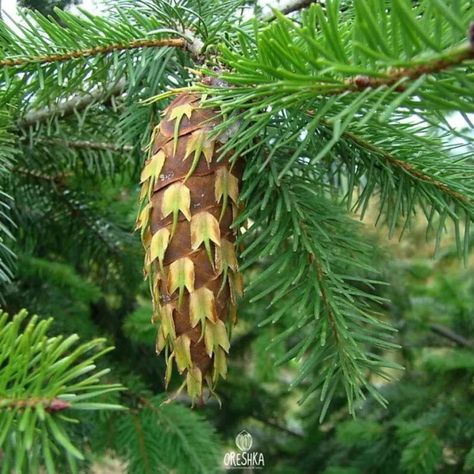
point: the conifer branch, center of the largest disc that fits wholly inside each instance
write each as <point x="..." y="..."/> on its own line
<point x="7" y="158"/>
<point x="291" y="6"/>
<point x="75" y="104"/>
<point x="448" y="59"/>
<point x="57" y="179"/>
<point x="405" y="166"/>
<point x="398" y="77"/>
<point x="89" y="52"/>
<point x="451" y="335"/>
<point x="88" y="228"/>
<point x="158" y="437"/>
<point x="78" y="210"/>
<point x="51" y="405"/>
<point x="319" y="66"/>
<point x="141" y="443"/>
<point x="87" y="144"/>
<point x="295" y="5"/>
<point x="42" y="377"/>
<point x="324" y="292"/>
<point x="333" y="319"/>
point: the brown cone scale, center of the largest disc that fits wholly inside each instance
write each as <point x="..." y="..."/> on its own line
<point x="189" y="200"/>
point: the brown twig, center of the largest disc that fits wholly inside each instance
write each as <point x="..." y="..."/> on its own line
<point x="50" y="405"/>
<point x="313" y="259"/>
<point x="449" y="59"/>
<point x="86" y="144"/>
<point x="324" y="295"/>
<point x="86" y="53"/>
<point x="405" y="166"/>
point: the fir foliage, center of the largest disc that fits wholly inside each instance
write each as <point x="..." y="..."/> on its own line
<point x="314" y="254"/>
<point x="338" y="109"/>
<point x="7" y="154"/>
<point x="157" y="437"/>
<point x="363" y="83"/>
<point x="427" y="426"/>
<point x="365" y="92"/>
<point x="44" y="380"/>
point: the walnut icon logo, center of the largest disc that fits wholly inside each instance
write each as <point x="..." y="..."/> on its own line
<point x="244" y="459"/>
<point x="244" y="441"/>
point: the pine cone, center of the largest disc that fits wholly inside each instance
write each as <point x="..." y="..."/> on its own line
<point x="189" y="201"/>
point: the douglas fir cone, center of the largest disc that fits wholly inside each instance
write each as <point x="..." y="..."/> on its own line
<point x="188" y="202"/>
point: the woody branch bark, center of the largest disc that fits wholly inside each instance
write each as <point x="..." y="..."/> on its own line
<point x="49" y="404"/>
<point x="76" y="103"/>
<point x="89" y="52"/>
<point x="290" y="6"/>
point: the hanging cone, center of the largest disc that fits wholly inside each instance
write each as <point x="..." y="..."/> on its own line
<point x="188" y="203"/>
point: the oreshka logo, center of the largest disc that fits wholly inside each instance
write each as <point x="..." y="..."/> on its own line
<point x="245" y="459"/>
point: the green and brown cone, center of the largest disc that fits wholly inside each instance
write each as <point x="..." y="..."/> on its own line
<point x="189" y="200"/>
